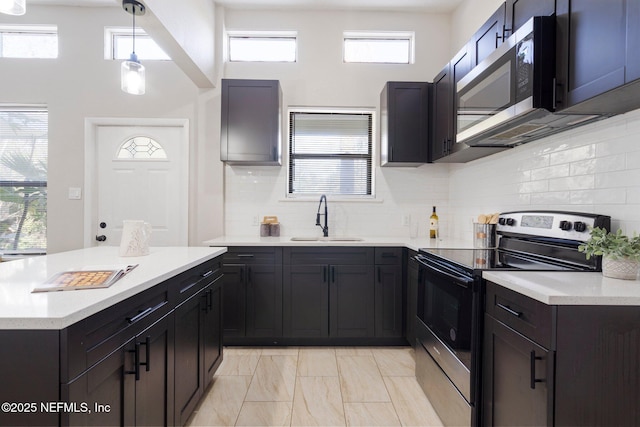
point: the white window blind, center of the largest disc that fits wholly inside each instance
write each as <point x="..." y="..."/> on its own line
<point x="23" y="179"/>
<point x="330" y="153"/>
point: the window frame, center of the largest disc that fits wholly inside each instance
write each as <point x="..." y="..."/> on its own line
<point x="28" y="29"/>
<point x="380" y="35"/>
<point x="110" y="35"/>
<point x="29" y="183"/>
<point x="231" y="34"/>
<point x="373" y="155"/>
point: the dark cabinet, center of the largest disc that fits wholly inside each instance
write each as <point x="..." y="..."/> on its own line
<point x="574" y="365"/>
<point x="351" y="301"/>
<point x="198" y="344"/>
<point x="444" y="148"/>
<point x="490" y="35"/>
<point x="389" y="302"/>
<point x="520" y="11"/>
<point x="252" y="293"/>
<point x="306" y="300"/>
<point x="404" y="124"/>
<point x="413" y="279"/>
<point x="516" y="376"/>
<point x="597" y="59"/>
<point x="329" y="292"/>
<point x="131" y="386"/>
<point x="443" y="114"/>
<point x="251" y="120"/>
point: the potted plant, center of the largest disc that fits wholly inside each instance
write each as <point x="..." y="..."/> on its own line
<point x="620" y="253"/>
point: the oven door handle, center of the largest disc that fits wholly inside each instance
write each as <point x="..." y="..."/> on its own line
<point x="462" y="281"/>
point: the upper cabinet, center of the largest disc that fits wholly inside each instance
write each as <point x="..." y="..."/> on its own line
<point x="404" y="124"/>
<point x="251" y="118"/>
<point x="520" y="11"/>
<point x="598" y="62"/>
<point x="489" y="36"/>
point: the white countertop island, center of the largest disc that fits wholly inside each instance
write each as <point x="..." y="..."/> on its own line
<point x="568" y="288"/>
<point x="22" y="309"/>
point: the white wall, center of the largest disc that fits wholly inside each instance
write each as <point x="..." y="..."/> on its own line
<point x="320" y="79"/>
<point x="80" y="84"/>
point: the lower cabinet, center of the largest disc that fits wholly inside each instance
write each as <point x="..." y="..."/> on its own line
<point x="131" y="386"/>
<point x="559" y="365"/>
<point x="198" y="347"/>
<point x="252" y="294"/>
<point x="413" y="279"/>
<point x="150" y="358"/>
<point x="516" y="378"/>
<point x="328" y="293"/>
<point x="389" y="293"/>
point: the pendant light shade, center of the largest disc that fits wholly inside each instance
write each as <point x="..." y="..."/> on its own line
<point x="13" y="7"/>
<point x="132" y="75"/>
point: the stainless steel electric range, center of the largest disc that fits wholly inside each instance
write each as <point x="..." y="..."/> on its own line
<point x="451" y="294"/>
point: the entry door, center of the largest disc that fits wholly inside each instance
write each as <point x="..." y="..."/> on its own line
<point x="142" y="174"/>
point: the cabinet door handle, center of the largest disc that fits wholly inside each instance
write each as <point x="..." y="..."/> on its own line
<point x="533" y="359"/>
<point x="136" y="362"/>
<point x="147" y="345"/>
<point x="509" y="310"/>
<point x="209" y="300"/>
<point x="391" y="153"/>
<point x="324" y="274"/>
<point x="333" y="274"/>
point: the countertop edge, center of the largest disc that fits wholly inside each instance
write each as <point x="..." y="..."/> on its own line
<point x="62" y="322"/>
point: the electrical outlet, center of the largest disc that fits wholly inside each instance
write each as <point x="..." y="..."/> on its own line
<point x="256" y="220"/>
<point x="406" y="220"/>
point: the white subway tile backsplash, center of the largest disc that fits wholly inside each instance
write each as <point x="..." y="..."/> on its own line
<point x="595" y="168"/>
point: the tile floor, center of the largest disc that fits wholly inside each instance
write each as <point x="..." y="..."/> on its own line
<point x="315" y="386"/>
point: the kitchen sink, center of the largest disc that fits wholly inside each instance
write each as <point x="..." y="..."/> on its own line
<point x="326" y="239"/>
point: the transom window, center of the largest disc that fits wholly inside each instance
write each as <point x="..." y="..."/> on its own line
<point x="28" y="41"/>
<point x="263" y="46"/>
<point x="118" y="44"/>
<point x="23" y="179"/>
<point x="141" y="148"/>
<point x="379" y="47"/>
<point x="330" y="153"/>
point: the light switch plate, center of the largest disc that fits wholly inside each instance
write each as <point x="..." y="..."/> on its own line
<point x="75" y="193"/>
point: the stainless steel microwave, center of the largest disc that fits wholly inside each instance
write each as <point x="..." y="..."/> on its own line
<point x="509" y="98"/>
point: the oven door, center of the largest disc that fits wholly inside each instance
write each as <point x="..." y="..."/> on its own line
<point x="445" y="321"/>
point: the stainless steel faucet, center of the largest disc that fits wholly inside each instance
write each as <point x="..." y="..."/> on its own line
<point x="325" y="229"/>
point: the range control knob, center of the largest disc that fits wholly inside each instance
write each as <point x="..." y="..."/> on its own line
<point x="511" y="221"/>
<point x="502" y="221"/>
<point x="565" y="225"/>
<point x="580" y="226"/>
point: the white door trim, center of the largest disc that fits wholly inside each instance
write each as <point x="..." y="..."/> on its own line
<point x="90" y="172"/>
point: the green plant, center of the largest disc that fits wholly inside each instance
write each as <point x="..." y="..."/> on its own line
<point x="615" y="245"/>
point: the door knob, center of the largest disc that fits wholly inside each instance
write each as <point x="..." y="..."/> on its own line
<point x="101" y="238"/>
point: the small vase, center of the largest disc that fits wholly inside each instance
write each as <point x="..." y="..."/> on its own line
<point x="622" y="268"/>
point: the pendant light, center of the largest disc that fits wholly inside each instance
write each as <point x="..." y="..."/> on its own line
<point x="132" y="71"/>
<point x="13" y="7"/>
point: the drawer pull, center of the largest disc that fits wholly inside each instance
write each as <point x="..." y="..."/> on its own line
<point x="207" y="274"/>
<point x="144" y="313"/>
<point x="533" y="370"/>
<point x="388" y="255"/>
<point x="509" y="310"/>
<point x="245" y="255"/>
